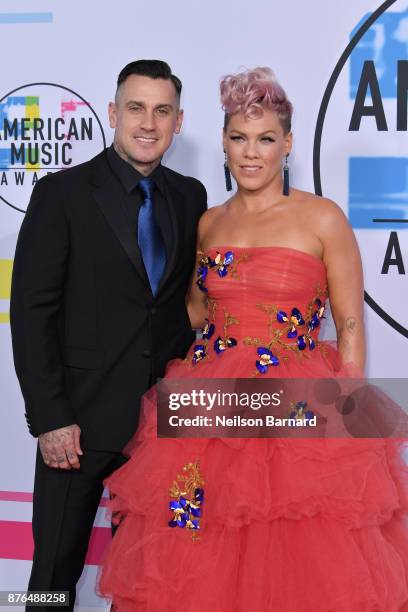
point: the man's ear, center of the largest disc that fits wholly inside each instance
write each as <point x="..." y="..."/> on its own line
<point x="112" y="114"/>
<point x="179" y="121"/>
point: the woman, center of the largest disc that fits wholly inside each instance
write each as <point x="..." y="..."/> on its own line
<point x="287" y="525"/>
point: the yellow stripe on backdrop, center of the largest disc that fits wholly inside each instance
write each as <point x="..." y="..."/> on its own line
<point x="6" y="268"/>
<point x="32" y="112"/>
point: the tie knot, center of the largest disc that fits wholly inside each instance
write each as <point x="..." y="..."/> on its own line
<point x="147" y="187"/>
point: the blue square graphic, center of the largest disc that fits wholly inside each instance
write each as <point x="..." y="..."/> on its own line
<point x="5" y="159"/>
<point x="378" y="189"/>
<point x="385" y="42"/>
<point x="3" y="114"/>
<point x="5" y="153"/>
<point x="11" y="101"/>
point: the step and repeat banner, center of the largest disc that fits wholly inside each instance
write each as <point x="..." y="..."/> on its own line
<point x="345" y="68"/>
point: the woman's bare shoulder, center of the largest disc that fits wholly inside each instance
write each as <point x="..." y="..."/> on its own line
<point x="326" y="210"/>
<point x="210" y="217"/>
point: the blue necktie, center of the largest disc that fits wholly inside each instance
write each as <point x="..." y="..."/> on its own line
<point x="149" y="237"/>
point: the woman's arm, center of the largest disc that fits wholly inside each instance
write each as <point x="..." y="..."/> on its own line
<point x="345" y="283"/>
<point x="196" y="301"/>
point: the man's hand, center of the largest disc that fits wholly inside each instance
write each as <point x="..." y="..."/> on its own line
<point x="60" y="447"/>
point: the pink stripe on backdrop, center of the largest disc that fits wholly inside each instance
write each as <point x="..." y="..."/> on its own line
<point x="21" y="496"/>
<point x="16" y="542"/>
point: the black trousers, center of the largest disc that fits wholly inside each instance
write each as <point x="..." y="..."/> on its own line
<point x="64" y="509"/>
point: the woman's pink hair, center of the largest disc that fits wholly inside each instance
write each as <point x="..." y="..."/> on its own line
<point x="249" y="91"/>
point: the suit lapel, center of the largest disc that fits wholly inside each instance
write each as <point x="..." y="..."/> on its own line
<point x="108" y="196"/>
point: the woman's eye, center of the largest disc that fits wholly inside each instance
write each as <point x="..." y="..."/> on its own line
<point x="236" y="137"/>
<point x="267" y="139"/>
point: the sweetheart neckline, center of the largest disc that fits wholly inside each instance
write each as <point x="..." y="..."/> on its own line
<point x="299" y="251"/>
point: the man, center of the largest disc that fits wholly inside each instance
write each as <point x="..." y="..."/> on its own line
<point x="101" y="271"/>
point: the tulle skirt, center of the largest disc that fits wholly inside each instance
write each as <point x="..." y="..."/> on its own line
<point x="288" y="525"/>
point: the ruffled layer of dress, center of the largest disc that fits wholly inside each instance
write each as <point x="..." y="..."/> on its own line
<point x="287" y="525"/>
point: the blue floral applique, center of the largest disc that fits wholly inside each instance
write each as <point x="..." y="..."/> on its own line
<point x="222" y="343"/>
<point x="266" y="359"/>
<point x="188" y="498"/>
<point x="296" y="320"/>
<point x="296" y="326"/>
<point x="199" y="353"/>
<point x="299" y="411"/>
<point x="221" y="264"/>
<point x="200" y="350"/>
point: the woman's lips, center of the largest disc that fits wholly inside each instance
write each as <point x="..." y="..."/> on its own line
<point x="250" y="169"/>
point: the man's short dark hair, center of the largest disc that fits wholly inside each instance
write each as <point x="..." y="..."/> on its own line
<point x="154" y="69"/>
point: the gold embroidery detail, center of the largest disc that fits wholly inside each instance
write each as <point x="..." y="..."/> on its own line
<point x="275" y="334"/>
<point x="228" y="321"/>
<point x="233" y="267"/>
<point x="185" y="486"/>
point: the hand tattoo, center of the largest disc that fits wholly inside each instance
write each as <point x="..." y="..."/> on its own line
<point x="58" y="447"/>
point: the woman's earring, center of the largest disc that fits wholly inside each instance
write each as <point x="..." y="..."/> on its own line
<point x="286" y="176"/>
<point x="228" y="184"/>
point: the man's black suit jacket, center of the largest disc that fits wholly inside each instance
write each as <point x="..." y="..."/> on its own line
<point x="88" y="335"/>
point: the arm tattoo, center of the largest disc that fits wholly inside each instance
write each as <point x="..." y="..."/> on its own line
<point x="351" y="324"/>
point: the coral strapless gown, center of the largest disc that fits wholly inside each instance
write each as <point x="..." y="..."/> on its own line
<point x="288" y="525"/>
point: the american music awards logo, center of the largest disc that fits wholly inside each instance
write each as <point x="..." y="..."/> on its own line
<point x="44" y="127"/>
<point x="361" y="153"/>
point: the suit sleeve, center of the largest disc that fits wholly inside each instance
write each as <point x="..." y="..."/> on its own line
<point x="202" y="197"/>
<point x="36" y="300"/>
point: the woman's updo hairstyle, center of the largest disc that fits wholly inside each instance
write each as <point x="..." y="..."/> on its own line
<point x="251" y="91"/>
